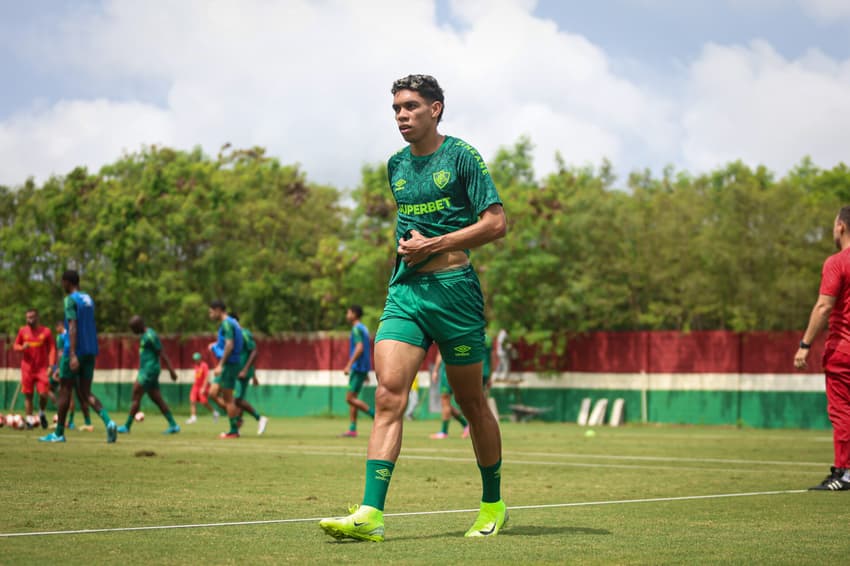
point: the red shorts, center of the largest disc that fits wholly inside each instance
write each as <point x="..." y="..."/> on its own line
<point x="32" y="380"/>
<point x="199" y="393"/>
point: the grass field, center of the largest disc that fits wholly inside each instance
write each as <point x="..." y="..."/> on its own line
<point x="577" y="499"/>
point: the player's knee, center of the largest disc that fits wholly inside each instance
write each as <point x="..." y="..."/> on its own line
<point x="387" y="399"/>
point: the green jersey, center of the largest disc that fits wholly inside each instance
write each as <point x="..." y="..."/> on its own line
<point x="149" y="350"/>
<point x="248" y="346"/>
<point x="439" y="193"/>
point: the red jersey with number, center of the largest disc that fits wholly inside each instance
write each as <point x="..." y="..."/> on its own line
<point x="201" y="373"/>
<point x="40" y="352"/>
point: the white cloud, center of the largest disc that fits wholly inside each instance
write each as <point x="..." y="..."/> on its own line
<point x="310" y="79"/>
<point x="750" y="103"/>
<point x="827" y="11"/>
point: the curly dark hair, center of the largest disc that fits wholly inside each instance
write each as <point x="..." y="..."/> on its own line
<point x="426" y="85"/>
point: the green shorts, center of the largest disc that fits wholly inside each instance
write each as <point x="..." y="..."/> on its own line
<point x="148" y="380"/>
<point x="445" y="307"/>
<point x="241" y="389"/>
<point x="229" y="375"/>
<point x="84" y="372"/>
<point x="356" y="379"/>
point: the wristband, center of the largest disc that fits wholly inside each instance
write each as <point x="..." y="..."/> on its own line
<point x="804" y="346"/>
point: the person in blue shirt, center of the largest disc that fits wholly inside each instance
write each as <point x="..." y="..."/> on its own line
<point x="228" y="350"/>
<point x="357" y="368"/>
<point x="76" y="369"/>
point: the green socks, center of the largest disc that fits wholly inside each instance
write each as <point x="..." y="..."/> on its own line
<point x="60" y="429"/>
<point x="371" y="412"/>
<point x="352" y="426"/>
<point x="378" y="475"/>
<point x="105" y="416"/>
<point x="71" y="418"/>
<point x="234" y="425"/>
<point x="445" y="427"/>
<point x="255" y="414"/>
<point x="461" y="420"/>
<point x="129" y="423"/>
<point x="170" y="418"/>
<point x="491" y="481"/>
<point x="86" y="418"/>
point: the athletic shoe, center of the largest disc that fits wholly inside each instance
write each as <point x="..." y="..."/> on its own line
<point x="174" y="429"/>
<point x="111" y="432"/>
<point x="491" y="519"/>
<point x="439" y="436"/>
<point x="349" y="434"/>
<point x="52" y="437"/>
<point x="192" y="420"/>
<point x="261" y="425"/>
<point x="229" y="435"/>
<point x="833" y="482"/>
<point x="43" y="419"/>
<point x="363" y="523"/>
<point x="72" y="426"/>
<point x="123" y="429"/>
<point x="465" y="433"/>
<point x="85" y="428"/>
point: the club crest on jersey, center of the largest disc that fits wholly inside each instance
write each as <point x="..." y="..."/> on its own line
<point x="442" y="178"/>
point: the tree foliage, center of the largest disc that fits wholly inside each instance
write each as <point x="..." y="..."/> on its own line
<point x="161" y="232"/>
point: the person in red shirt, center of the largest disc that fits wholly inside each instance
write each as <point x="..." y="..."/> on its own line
<point x="200" y="389"/>
<point x="35" y="342"/>
<point x="833" y="307"/>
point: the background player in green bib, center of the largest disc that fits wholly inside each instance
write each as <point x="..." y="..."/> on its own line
<point x="447" y="204"/>
<point x="247" y="376"/>
<point x="228" y="350"/>
<point x="439" y="378"/>
<point x="55" y="382"/>
<point x="76" y="369"/>
<point x="150" y="351"/>
<point x="357" y="368"/>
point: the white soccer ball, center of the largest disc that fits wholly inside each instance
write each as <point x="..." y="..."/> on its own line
<point x="10" y="420"/>
<point x="20" y="423"/>
<point x="140" y="416"/>
<point x="55" y="419"/>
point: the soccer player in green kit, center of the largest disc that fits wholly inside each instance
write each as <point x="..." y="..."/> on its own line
<point x="150" y="351"/>
<point x="228" y="350"/>
<point x="76" y="369"/>
<point x="247" y="376"/>
<point x="447" y="204"/>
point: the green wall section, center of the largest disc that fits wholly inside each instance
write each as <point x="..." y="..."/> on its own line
<point x="760" y="409"/>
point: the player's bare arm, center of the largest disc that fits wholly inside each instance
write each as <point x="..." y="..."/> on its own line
<point x="491" y="226"/>
<point x="817" y="322"/>
<point x="73" y="362"/>
<point x="167" y="361"/>
<point x="251" y="358"/>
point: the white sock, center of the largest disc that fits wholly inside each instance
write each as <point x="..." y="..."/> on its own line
<point x="846" y="476"/>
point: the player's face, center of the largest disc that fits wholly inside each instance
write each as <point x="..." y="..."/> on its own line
<point x="215" y="314"/>
<point x="32" y="318"/>
<point x="415" y="117"/>
<point x="349" y="315"/>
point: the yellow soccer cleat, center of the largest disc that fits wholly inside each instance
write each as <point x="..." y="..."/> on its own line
<point x="492" y="517"/>
<point x="363" y="523"/>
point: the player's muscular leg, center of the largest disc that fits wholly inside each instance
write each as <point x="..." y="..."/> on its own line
<point x="138" y="391"/>
<point x="465" y="381"/>
<point x="66" y="389"/>
<point x="353" y="401"/>
<point x="215" y="395"/>
<point x="396" y="364"/>
<point x="229" y="403"/>
<point x="156" y="397"/>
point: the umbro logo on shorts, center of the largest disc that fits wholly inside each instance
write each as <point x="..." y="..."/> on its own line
<point x="462" y="350"/>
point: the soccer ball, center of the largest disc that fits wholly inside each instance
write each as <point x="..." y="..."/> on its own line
<point x="10" y="420"/>
<point x="20" y="423"/>
<point x="55" y="419"/>
<point x="140" y="416"/>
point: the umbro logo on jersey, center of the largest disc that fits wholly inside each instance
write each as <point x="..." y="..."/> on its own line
<point x="399" y="185"/>
<point x="442" y="178"/>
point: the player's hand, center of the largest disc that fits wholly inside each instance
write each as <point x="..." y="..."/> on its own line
<point x="347" y="369"/>
<point x="414" y="249"/>
<point x="173" y="375"/>
<point x="255" y="381"/>
<point x="217" y="370"/>
<point x="243" y="374"/>
<point x="74" y="362"/>
<point x="800" y="358"/>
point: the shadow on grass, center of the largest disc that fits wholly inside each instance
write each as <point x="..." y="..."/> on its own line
<point x="519" y="530"/>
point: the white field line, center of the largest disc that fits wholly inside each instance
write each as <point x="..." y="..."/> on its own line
<point x="408" y="514"/>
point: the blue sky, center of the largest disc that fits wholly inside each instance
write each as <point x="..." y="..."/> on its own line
<point x="644" y="83"/>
